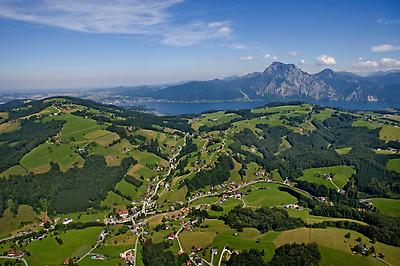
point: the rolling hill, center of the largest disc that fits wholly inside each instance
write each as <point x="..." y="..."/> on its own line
<point x="85" y="182"/>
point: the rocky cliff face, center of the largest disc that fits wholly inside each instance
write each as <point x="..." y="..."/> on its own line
<point x="289" y="81"/>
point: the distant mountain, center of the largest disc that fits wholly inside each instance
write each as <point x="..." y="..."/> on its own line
<point x="279" y="81"/>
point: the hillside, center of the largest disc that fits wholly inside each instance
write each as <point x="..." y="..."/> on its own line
<point x="85" y="182"/>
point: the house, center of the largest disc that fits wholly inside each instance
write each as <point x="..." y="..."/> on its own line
<point x="171" y="236"/>
<point x="128" y="256"/>
<point x="198" y="261"/>
<point x="68" y="261"/>
<point x="360" y="249"/>
<point x="123" y="213"/>
<point x="15" y="253"/>
<point x="97" y="257"/>
<point x="38" y="236"/>
<point x="67" y="221"/>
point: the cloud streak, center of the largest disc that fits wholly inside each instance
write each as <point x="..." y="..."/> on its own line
<point x="388" y="21"/>
<point x="271" y="57"/>
<point x="246" y="58"/>
<point x="384" y="64"/>
<point x="127" y="17"/>
<point x="385" y="48"/>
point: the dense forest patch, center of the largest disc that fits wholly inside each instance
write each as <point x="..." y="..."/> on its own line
<point x="55" y="191"/>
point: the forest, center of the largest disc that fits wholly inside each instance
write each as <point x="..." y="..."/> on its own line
<point x="217" y="175"/>
<point x="55" y="191"/>
<point x="263" y="219"/>
<point x="296" y="254"/>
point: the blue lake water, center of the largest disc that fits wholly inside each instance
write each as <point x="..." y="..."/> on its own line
<point x="196" y="108"/>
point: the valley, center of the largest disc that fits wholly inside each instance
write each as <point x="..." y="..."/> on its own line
<point x="83" y="183"/>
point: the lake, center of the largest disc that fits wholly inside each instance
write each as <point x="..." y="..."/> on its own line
<point x="169" y="108"/>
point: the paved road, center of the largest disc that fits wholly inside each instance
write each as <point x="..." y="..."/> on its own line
<point x="136" y="244"/>
<point x="179" y="242"/>
<point x="222" y="255"/>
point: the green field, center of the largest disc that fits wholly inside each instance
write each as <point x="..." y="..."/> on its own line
<point x="388" y="133"/>
<point x="267" y="195"/>
<point x="343" y="151"/>
<point x="178" y="195"/>
<point x="76" y="127"/>
<point x="388" y="206"/>
<point x="14" y="170"/>
<point x="213" y="119"/>
<point x="113" y="200"/>
<point x="334" y="240"/>
<point x="312" y="219"/>
<point x="227" y="205"/>
<point x="64" y="155"/>
<point x="205" y="200"/>
<point x="126" y="188"/>
<point x="75" y="244"/>
<point x="85" y="217"/>
<point x="341" y="175"/>
<point x="9" y="223"/>
<point x="363" y="123"/>
<point x="394" y="165"/>
<point x="102" y="137"/>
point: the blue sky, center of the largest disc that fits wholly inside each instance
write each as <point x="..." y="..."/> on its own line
<point x="100" y="43"/>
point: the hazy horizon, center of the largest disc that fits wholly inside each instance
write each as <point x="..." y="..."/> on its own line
<point x="97" y="44"/>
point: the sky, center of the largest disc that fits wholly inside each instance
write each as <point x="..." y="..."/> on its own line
<point x="61" y="44"/>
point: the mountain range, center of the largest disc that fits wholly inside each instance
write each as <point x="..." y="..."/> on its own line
<point x="280" y="81"/>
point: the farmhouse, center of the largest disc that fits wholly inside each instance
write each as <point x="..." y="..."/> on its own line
<point x="67" y="221"/>
<point x="68" y="261"/>
<point x="97" y="257"/>
<point x="128" y="256"/>
<point x="171" y="236"/>
<point x="123" y="213"/>
<point x="15" y="253"/>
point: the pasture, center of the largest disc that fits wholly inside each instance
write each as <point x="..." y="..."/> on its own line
<point x="343" y="151"/>
<point x="75" y="244"/>
<point x="14" y="170"/>
<point x="114" y="201"/>
<point x="390" y="207"/>
<point x="126" y="188"/>
<point x="10" y="223"/>
<point x="394" y="165"/>
<point x="76" y="127"/>
<point x="267" y="195"/>
<point x="333" y="238"/>
<point x="363" y="123"/>
<point x="388" y="133"/>
<point x="64" y="155"/>
<point x="340" y="175"/>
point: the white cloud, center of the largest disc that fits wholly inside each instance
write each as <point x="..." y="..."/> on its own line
<point x="196" y="32"/>
<point x="387" y="21"/>
<point x="272" y="57"/>
<point x="246" y="58"/>
<point x="381" y="64"/>
<point x="302" y="62"/>
<point x="129" y="17"/>
<point x="324" y="60"/>
<point x="385" y="48"/>
<point x="389" y="63"/>
<point x="367" y="63"/>
<point x="293" y="53"/>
